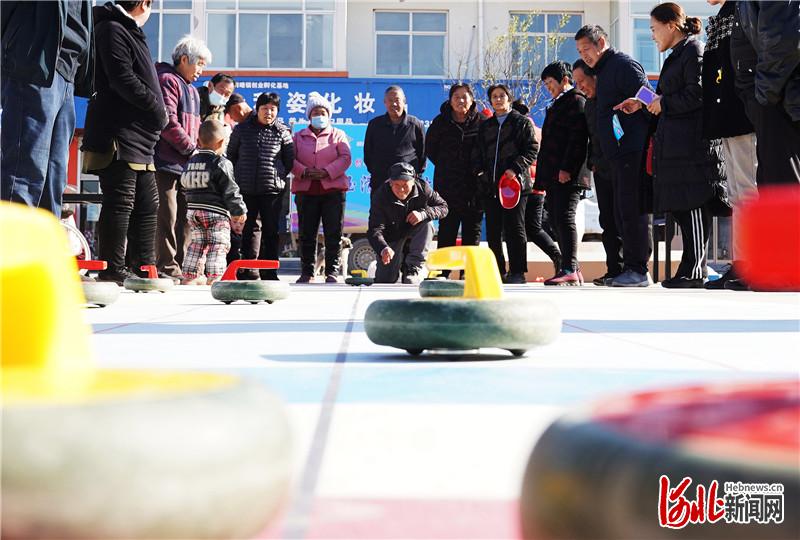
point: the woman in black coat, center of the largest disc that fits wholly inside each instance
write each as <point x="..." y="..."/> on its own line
<point x="262" y="152"/>
<point x="506" y="145"/>
<point x="688" y="169"/>
<point x="448" y="144"/>
<point x="560" y="169"/>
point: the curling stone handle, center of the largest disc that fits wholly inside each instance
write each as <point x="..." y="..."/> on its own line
<point x="92" y="265"/>
<point x="481" y="277"/>
<point x="230" y="272"/>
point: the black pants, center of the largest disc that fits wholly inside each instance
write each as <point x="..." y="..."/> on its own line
<point x="410" y="251"/>
<point x="509" y="224"/>
<point x="632" y="223"/>
<point x="268" y="208"/>
<point x="130" y="208"/>
<point x="469" y="219"/>
<point x="695" y="229"/>
<point x="563" y="201"/>
<point x="235" y="252"/>
<point x="534" y="232"/>
<point x="778" y="147"/>
<point x="311" y="209"/>
<point x="612" y="242"/>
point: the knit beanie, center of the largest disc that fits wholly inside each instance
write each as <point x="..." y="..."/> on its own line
<point x="314" y="99"/>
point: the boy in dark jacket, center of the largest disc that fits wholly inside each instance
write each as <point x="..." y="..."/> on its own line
<point x="214" y="206"/>
<point x="401" y="211"/>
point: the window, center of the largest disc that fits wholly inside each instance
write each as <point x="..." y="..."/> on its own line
<point x="169" y="22"/>
<point x="410" y="43"/>
<point x="541" y="38"/>
<point x="270" y="34"/>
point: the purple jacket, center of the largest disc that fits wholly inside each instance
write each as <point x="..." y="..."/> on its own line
<point x="179" y="138"/>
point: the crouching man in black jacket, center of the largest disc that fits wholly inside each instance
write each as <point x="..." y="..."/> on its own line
<point x="401" y="211"/>
<point x="214" y="206"/>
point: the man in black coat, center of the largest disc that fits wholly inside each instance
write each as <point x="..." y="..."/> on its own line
<point x="765" y="50"/>
<point x="401" y="212"/>
<point x="393" y="138"/>
<point x="724" y="118"/>
<point x="123" y="123"/>
<point x="619" y="77"/>
<point x="586" y="81"/>
<point x="48" y="56"/>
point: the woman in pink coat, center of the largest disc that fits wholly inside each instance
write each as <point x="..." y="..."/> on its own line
<point x="322" y="155"/>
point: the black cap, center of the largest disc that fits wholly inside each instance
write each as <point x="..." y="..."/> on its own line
<point x="402" y="171"/>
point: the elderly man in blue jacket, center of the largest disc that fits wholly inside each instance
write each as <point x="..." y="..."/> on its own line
<point x="47" y="60"/>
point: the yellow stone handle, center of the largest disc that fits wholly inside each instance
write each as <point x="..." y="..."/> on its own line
<point x="45" y="343"/>
<point x="358" y="273"/>
<point x="481" y="277"/>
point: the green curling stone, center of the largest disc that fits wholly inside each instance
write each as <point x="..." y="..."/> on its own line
<point x="433" y="288"/>
<point x="114" y="454"/>
<point x="141" y="284"/>
<point x="184" y="456"/>
<point x="431" y="323"/>
<point x="358" y="278"/>
<point x="250" y="291"/>
<point x="480" y="318"/>
<point x="609" y="470"/>
<point x="100" y="293"/>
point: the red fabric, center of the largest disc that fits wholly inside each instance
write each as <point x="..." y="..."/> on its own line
<point x="649" y="162"/>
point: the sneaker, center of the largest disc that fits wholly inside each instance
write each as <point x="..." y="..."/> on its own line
<point x="269" y="275"/>
<point x="604" y="280"/>
<point x="213" y="279"/>
<point x="564" y="278"/>
<point x="247" y="274"/>
<point x="175" y="279"/>
<point x="117" y="276"/>
<point x="331" y="279"/>
<point x="681" y="282"/>
<point x="580" y="276"/>
<point x="410" y="278"/>
<point x="737" y="284"/>
<point x="197" y="280"/>
<point x="516" y="279"/>
<point x="304" y="278"/>
<point x="719" y="284"/>
<point x="629" y="278"/>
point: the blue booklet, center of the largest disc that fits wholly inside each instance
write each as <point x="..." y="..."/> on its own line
<point x="645" y="95"/>
<point x="618" y="131"/>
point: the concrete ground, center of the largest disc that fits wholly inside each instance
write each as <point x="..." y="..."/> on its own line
<point x="391" y="446"/>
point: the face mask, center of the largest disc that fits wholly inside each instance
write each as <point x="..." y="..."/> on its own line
<point x="216" y="99"/>
<point x="319" y="122"/>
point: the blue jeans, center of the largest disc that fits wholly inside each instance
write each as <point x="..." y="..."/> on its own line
<point x="37" y="128"/>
